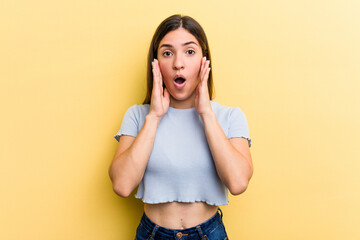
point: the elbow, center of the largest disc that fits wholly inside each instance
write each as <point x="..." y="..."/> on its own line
<point x="239" y="185"/>
<point x="121" y="186"/>
<point x="118" y="188"/>
<point x="121" y="191"/>
<point x="238" y="188"/>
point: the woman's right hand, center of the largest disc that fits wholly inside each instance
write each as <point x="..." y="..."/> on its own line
<point x="132" y="155"/>
<point x="160" y="97"/>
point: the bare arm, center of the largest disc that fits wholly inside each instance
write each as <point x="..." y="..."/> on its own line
<point x="232" y="157"/>
<point x="132" y="155"/>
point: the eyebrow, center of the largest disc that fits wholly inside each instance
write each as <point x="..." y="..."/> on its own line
<point x="170" y="46"/>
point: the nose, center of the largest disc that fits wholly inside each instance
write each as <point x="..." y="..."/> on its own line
<point x="178" y="62"/>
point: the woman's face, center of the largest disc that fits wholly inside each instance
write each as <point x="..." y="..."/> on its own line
<point x="179" y="55"/>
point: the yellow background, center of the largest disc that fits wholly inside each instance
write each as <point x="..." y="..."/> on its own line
<point x="70" y="69"/>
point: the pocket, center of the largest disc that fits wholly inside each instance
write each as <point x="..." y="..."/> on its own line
<point x="218" y="232"/>
<point x="142" y="233"/>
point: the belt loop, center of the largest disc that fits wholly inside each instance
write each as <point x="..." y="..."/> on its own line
<point x="221" y="213"/>
<point x="204" y="237"/>
<point x="152" y="236"/>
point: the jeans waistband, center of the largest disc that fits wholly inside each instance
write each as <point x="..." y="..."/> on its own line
<point x="206" y="226"/>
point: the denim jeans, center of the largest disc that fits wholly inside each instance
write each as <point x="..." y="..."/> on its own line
<point x="212" y="229"/>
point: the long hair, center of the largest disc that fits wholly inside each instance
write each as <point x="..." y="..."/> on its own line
<point x="172" y="23"/>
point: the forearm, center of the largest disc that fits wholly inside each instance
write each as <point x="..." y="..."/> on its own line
<point x="233" y="168"/>
<point x="127" y="169"/>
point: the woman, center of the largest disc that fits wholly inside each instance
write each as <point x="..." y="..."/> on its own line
<point x="183" y="150"/>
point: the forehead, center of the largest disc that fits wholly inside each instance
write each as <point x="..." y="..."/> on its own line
<point x="178" y="37"/>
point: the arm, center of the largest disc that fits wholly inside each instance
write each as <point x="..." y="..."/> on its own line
<point x="232" y="157"/>
<point x="132" y="155"/>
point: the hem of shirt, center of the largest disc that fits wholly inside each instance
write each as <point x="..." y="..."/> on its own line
<point x="183" y="201"/>
<point x="249" y="139"/>
<point x="117" y="136"/>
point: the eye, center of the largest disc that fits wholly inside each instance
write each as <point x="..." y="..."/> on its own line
<point x="190" y="51"/>
<point x="167" y="53"/>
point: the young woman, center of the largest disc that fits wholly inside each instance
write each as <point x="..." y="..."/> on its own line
<point x="184" y="150"/>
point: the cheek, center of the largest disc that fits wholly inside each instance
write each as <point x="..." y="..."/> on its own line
<point x="163" y="68"/>
<point x="165" y="71"/>
<point x="197" y="68"/>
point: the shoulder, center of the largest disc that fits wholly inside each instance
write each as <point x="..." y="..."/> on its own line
<point x="138" y="111"/>
<point x="139" y="108"/>
<point x="133" y="120"/>
<point x="232" y="120"/>
<point x="222" y="110"/>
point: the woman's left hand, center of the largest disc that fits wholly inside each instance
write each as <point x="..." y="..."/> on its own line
<point x="202" y="99"/>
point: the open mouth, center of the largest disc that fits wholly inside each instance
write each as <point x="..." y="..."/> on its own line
<point x="180" y="80"/>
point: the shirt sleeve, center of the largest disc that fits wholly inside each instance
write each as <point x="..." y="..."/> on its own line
<point x="238" y="125"/>
<point x="130" y="123"/>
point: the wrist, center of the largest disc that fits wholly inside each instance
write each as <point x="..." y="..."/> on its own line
<point x="210" y="115"/>
<point x="153" y="119"/>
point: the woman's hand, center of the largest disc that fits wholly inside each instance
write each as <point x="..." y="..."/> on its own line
<point x="202" y="99"/>
<point x="160" y="97"/>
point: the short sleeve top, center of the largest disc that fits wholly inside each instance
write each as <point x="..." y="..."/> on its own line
<point x="180" y="166"/>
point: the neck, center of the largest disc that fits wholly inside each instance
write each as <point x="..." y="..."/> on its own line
<point x="183" y="104"/>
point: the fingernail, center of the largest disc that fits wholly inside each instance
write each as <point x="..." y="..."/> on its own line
<point x="208" y="62"/>
<point x="209" y="69"/>
<point x="205" y="58"/>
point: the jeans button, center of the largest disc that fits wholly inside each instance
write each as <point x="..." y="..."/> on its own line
<point x="179" y="235"/>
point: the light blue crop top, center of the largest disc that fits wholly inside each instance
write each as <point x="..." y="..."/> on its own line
<point x="181" y="167"/>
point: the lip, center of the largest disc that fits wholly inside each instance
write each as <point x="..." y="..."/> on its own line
<point x="179" y="85"/>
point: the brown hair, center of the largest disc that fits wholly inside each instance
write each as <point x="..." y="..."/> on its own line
<point x="169" y="24"/>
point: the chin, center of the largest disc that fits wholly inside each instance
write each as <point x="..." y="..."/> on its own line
<point x="183" y="97"/>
